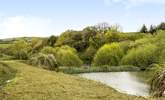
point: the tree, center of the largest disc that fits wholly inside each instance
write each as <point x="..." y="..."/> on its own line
<point x="67" y="56"/>
<point x="52" y="40"/>
<point x="102" y="27"/>
<point x="88" y="33"/>
<point x="141" y="56"/>
<point x="161" y="26"/>
<point x="109" y="54"/>
<point x="48" y="50"/>
<point x="152" y="29"/>
<point x="112" y="36"/>
<point x="97" y="41"/>
<point x="143" y="29"/>
<point x="116" y="28"/>
<point x="36" y="44"/>
<point x="19" y="49"/>
<point x="88" y="55"/>
<point x="73" y="39"/>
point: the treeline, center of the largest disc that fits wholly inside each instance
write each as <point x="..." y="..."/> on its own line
<point x="99" y="45"/>
<point x="153" y="28"/>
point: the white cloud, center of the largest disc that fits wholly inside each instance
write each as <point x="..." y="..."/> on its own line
<point x="19" y="26"/>
<point x="131" y="3"/>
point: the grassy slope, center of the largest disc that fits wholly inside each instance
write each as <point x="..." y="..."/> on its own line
<point x="33" y="83"/>
<point x="6" y="73"/>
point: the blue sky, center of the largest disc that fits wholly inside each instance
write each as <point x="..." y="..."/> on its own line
<point x="46" y="17"/>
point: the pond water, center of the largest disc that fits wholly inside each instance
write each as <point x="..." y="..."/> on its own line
<point x="133" y="83"/>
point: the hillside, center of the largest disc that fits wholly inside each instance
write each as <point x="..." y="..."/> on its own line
<point x="33" y="83"/>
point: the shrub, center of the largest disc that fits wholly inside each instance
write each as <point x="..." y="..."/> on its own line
<point x="37" y="44"/>
<point x="157" y="84"/>
<point x="48" y="50"/>
<point x="44" y="61"/>
<point x="67" y="56"/>
<point x="125" y="45"/>
<point x="111" y="36"/>
<point x="88" y="55"/>
<point x="142" y="56"/>
<point x="109" y="54"/>
<point x="22" y="55"/>
<point x="19" y="49"/>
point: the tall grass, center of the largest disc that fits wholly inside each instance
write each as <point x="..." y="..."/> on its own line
<point x="158" y="84"/>
<point x="87" y="69"/>
<point x="6" y="73"/>
<point x="44" y="61"/>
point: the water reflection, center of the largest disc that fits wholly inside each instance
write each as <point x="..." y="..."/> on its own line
<point x="125" y="82"/>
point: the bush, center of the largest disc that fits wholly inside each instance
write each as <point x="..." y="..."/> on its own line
<point x="142" y="56"/>
<point x="20" y="49"/>
<point x="111" y="36"/>
<point x="67" y="56"/>
<point x="48" y="50"/>
<point x="44" y="61"/>
<point x="157" y="84"/>
<point x="125" y="45"/>
<point x="109" y="54"/>
<point x="88" y="55"/>
<point x="22" y="55"/>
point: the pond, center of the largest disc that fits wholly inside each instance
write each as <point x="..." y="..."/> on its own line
<point x="133" y="83"/>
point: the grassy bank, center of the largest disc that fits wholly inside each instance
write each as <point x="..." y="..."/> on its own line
<point x="6" y="73"/>
<point x="78" y="70"/>
<point x="33" y="83"/>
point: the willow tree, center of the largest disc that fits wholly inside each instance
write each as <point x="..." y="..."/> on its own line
<point x="109" y="54"/>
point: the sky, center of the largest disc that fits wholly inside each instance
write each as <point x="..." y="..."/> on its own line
<point x="24" y="18"/>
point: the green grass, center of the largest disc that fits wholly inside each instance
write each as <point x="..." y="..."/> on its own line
<point x="5" y="57"/>
<point x="32" y="83"/>
<point x="4" y="45"/>
<point x="6" y="73"/>
<point x="78" y="70"/>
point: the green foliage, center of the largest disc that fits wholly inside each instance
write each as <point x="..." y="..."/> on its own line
<point x="72" y="39"/>
<point x="125" y="45"/>
<point x="67" y="56"/>
<point x="109" y="54"/>
<point x="145" y="40"/>
<point x="23" y="55"/>
<point x="89" y="32"/>
<point x="48" y="50"/>
<point x="152" y="29"/>
<point x="141" y="56"/>
<point x="88" y="55"/>
<point x="87" y="69"/>
<point x="52" y="40"/>
<point x="5" y="57"/>
<point x="44" y="61"/>
<point x="158" y="84"/>
<point x="19" y="49"/>
<point x="37" y="44"/>
<point x="113" y="36"/>
<point x="132" y="36"/>
<point x="102" y="28"/>
<point x="162" y="56"/>
<point x="97" y="41"/>
<point x="6" y="73"/>
<point x="161" y="26"/>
